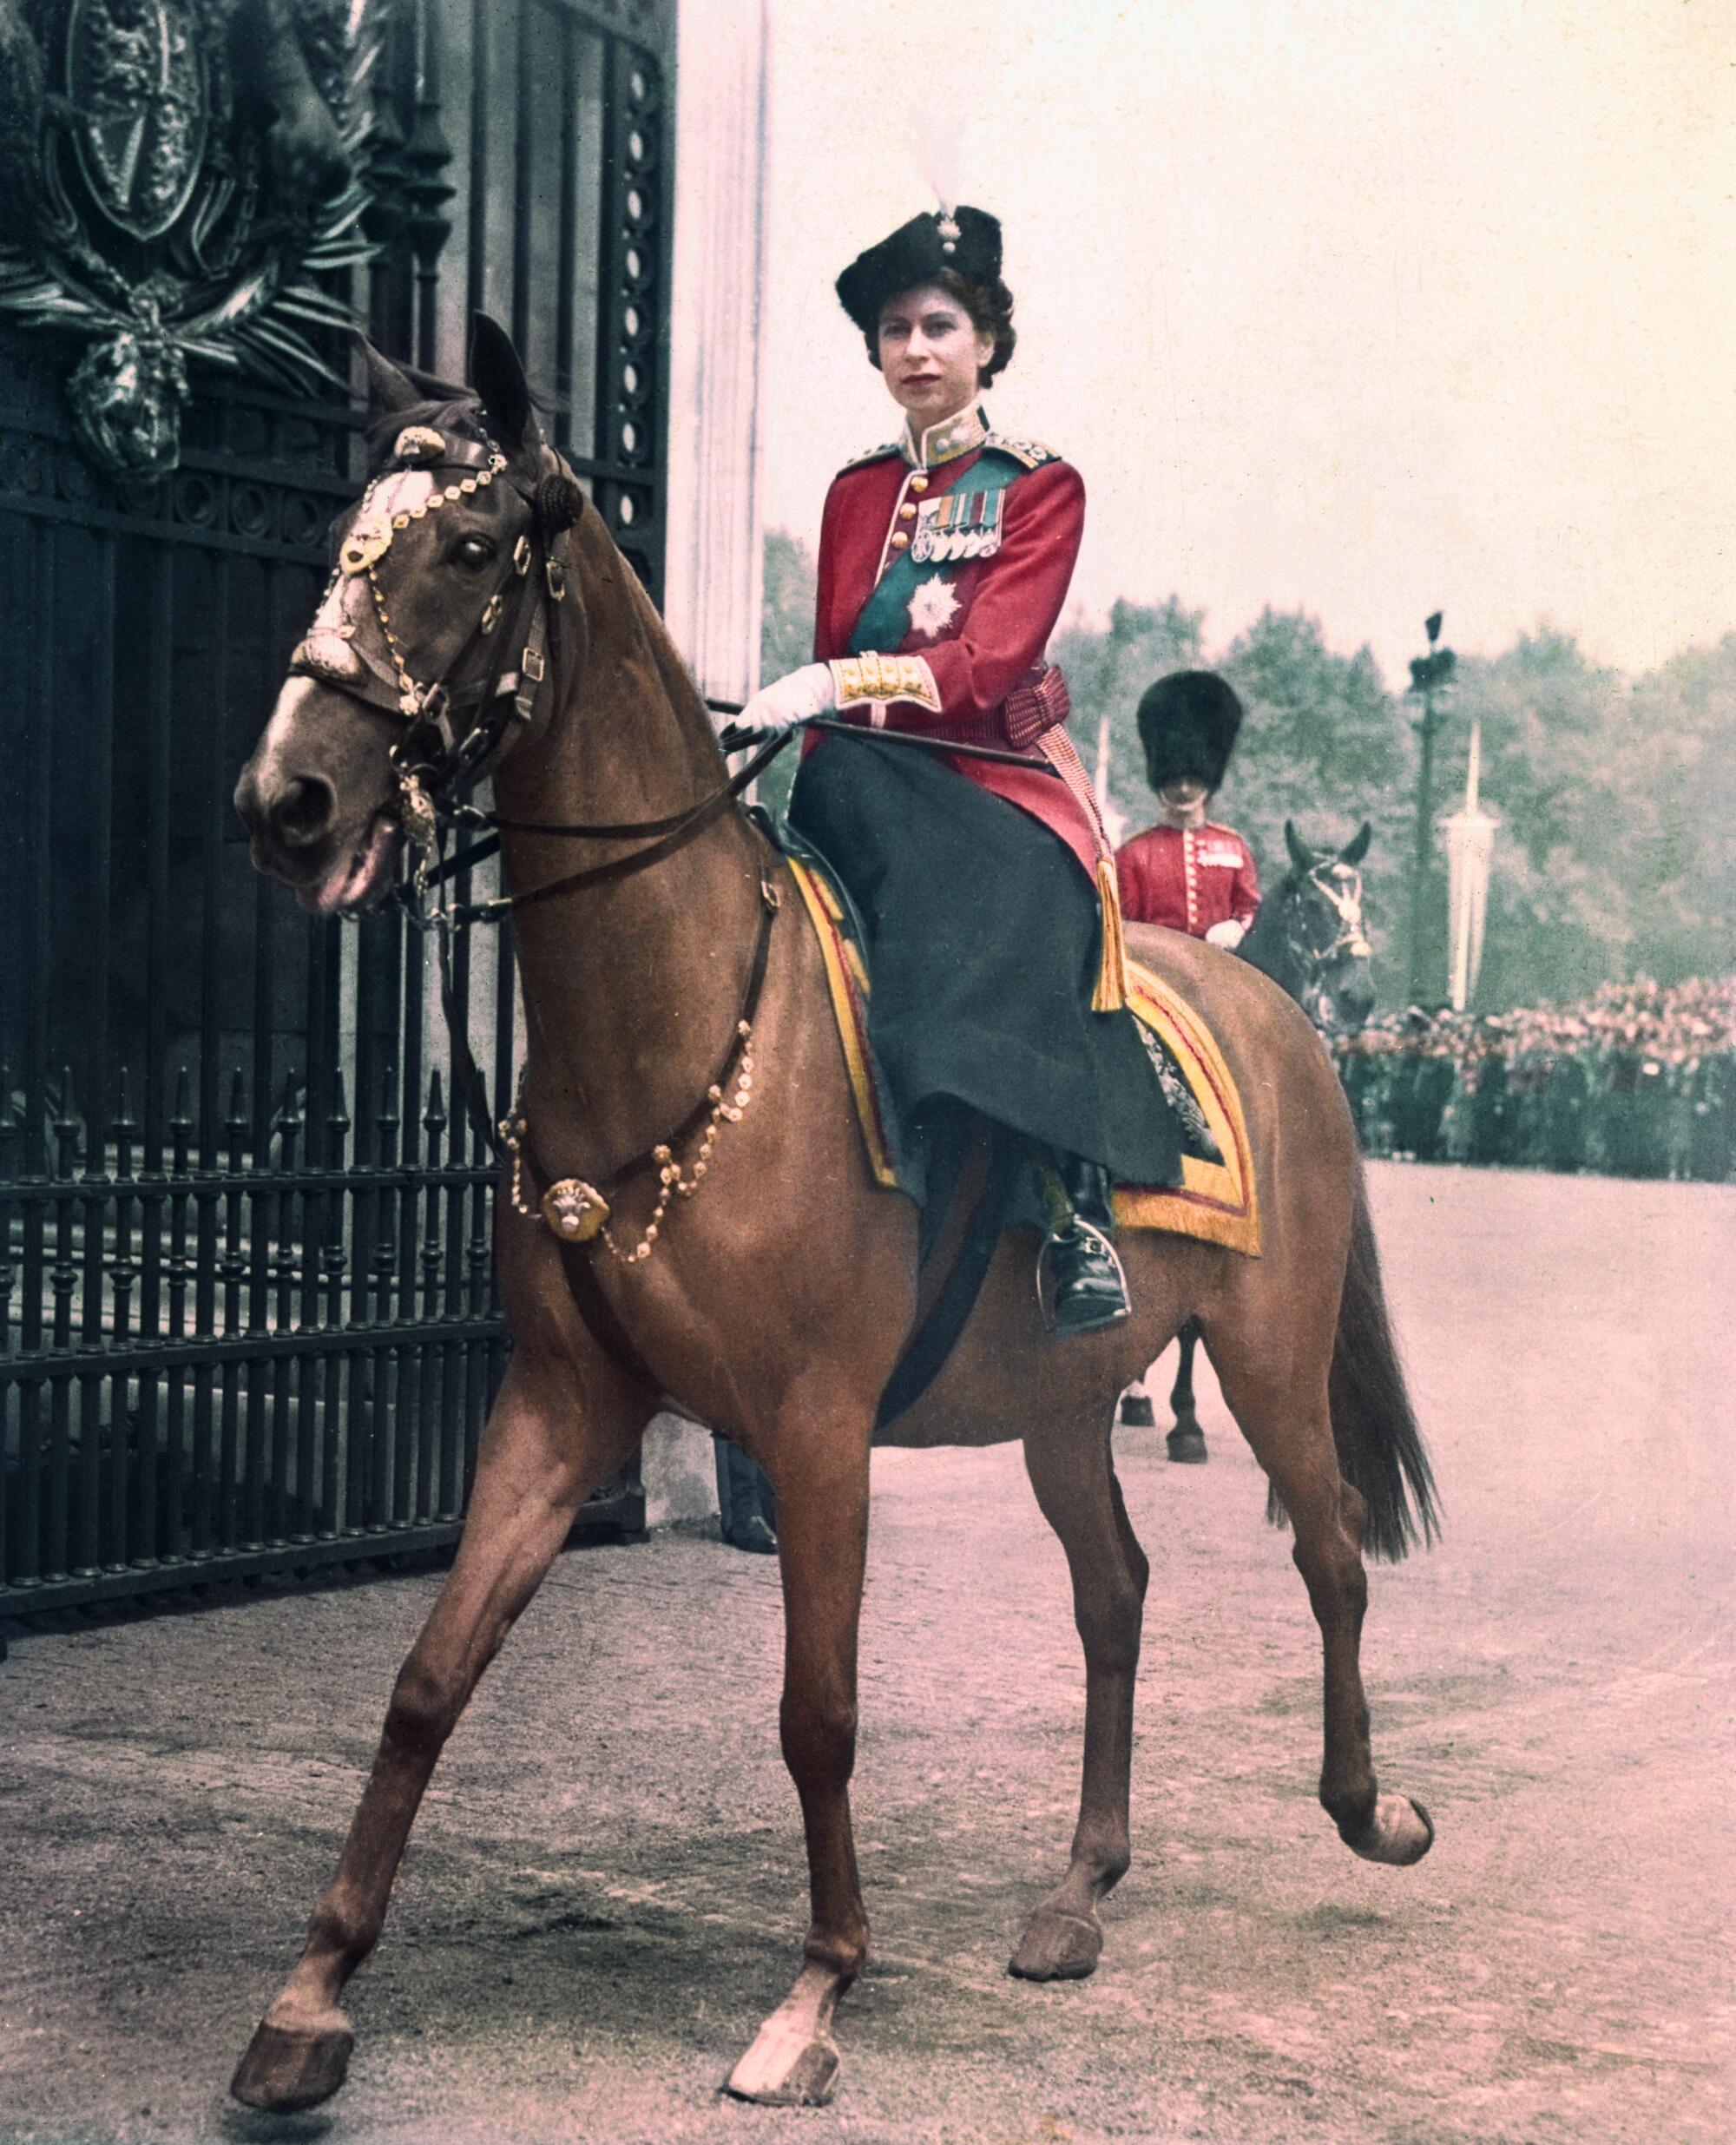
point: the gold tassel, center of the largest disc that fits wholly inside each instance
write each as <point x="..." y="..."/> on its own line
<point x="1111" y="994"/>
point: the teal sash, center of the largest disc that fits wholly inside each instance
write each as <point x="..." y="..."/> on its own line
<point x="885" y="616"/>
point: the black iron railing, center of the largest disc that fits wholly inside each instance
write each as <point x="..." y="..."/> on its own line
<point x="246" y="1310"/>
<point x="286" y="1351"/>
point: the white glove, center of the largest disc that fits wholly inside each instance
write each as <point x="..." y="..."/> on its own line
<point x="1228" y="934"/>
<point x="809" y="691"/>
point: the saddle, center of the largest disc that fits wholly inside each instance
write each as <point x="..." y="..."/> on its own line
<point x="1216" y="1202"/>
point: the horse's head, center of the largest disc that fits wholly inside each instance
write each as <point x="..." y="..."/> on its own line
<point x="1320" y="906"/>
<point x="421" y="662"/>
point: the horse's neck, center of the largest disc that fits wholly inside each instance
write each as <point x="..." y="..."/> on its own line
<point x="1267" y="945"/>
<point x="631" y="988"/>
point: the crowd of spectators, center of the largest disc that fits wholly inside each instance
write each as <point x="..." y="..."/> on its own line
<point x="1638" y="1080"/>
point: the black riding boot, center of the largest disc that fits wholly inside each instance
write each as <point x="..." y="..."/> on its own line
<point x="1090" y="1288"/>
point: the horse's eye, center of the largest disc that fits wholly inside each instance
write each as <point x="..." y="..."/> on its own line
<point x="473" y="552"/>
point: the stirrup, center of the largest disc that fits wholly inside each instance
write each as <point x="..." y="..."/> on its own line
<point x="1091" y="1284"/>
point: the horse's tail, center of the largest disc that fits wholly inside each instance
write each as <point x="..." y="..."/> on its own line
<point x="1380" y="1448"/>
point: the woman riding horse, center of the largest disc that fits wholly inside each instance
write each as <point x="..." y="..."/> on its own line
<point x="480" y="615"/>
<point x="987" y="890"/>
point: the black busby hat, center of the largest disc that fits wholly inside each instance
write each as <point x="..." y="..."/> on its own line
<point x="967" y="240"/>
<point x="1187" y="723"/>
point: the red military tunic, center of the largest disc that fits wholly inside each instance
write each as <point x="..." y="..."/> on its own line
<point x="1188" y="878"/>
<point x="974" y="630"/>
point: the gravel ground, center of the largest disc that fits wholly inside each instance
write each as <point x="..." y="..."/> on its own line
<point x="605" y="1889"/>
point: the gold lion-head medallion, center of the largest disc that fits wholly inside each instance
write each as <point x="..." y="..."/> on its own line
<point x="574" y="1210"/>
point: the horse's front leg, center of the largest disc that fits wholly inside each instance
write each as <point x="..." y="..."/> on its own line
<point x="821" y="1480"/>
<point x="550" y="1442"/>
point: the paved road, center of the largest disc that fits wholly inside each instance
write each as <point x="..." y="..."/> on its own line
<point x="605" y="1887"/>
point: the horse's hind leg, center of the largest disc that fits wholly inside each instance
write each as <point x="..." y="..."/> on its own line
<point x="1185" y="1441"/>
<point x="541" y="1458"/>
<point x="1074" y="1476"/>
<point x="1289" y="1427"/>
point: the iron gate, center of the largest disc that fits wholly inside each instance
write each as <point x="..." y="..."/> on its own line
<point x="247" y="1318"/>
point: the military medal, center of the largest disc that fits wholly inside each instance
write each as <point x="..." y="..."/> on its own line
<point x="961" y="525"/>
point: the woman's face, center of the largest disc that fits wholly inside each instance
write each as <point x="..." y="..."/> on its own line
<point x="932" y="354"/>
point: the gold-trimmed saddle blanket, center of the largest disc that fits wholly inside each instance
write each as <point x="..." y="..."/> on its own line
<point x="1217" y="1200"/>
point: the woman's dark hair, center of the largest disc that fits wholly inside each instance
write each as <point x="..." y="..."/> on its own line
<point x="991" y="308"/>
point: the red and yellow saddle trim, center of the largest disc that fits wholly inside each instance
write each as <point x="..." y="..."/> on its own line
<point x="1215" y="1202"/>
<point x="849" y="983"/>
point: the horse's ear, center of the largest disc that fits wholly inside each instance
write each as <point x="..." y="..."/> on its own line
<point x="1300" y="855"/>
<point x="1357" y="847"/>
<point x="388" y="388"/>
<point x="498" y="378"/>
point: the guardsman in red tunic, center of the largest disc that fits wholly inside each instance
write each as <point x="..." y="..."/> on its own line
<point x="1188" y="872"/>
<point x="988" y="891"/>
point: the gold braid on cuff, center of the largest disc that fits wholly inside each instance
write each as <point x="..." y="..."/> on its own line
<point x="871" y="677"/>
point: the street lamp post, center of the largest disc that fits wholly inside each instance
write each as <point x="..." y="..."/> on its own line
<point x="1430" y="681"/>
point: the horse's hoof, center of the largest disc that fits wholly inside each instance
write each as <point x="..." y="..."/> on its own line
<point x="1135" y="1411"/>
<point x="1401" y="1832"/>
<point x="289" y="2067"/>
<point x="1057" y="1946"/>
<point x="1186" y="1445"/>
<point x="775" y="2073"/>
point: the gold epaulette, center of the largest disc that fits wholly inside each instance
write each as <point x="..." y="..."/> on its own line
<point x="1032" y="452"/>
<point x="874" y="454"/>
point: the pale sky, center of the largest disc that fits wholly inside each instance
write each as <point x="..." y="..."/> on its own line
<point x="1368" y="306"/>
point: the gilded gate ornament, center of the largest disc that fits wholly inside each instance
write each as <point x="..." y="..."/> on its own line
<point x="176" y="176"/>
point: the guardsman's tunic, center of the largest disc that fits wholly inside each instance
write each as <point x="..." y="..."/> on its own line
<point x="1188" y="878"/>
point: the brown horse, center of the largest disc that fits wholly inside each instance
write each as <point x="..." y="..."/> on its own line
<point x="773" y="1301"/>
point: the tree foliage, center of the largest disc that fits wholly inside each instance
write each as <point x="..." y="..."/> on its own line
<point x="1616" y="855"/>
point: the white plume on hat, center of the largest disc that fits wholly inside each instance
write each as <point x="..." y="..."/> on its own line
<point x="938" y="150"/>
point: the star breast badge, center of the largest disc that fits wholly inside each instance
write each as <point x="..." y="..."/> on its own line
<point x="933" y="605"/>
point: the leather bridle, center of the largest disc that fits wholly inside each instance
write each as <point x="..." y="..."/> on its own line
<point x="451" y="733"/>
<point x="439" y="750"/>
<point x="1348" y="942"/>
<point x="1351" y="941"/>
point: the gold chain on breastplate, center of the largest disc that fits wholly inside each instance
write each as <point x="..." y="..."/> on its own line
<point x="576" y="1211"/>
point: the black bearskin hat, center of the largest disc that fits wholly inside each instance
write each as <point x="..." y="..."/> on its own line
<point x="1187" y="723"/>
<point x="967" y="240"/>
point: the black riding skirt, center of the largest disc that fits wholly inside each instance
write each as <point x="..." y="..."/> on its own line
<point x="984" y="941"/>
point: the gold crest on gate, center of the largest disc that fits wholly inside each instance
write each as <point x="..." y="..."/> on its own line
<point x="574" y="1210"/>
